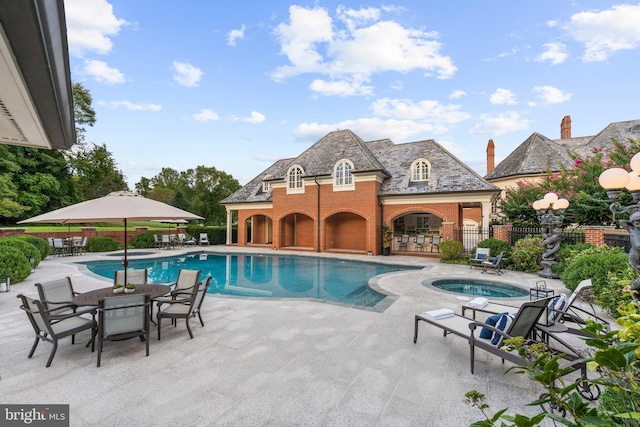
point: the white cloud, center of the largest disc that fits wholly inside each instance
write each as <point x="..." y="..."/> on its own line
<point x="340" y="88"/>
<point x="500" y="124"/>
<point x="556" y="53"/>
<point x="255" y="117"/>
<point x="503" y="97"/>
<point x="235" y="35"/>
<point x="603" y="33"/>
<point x="206" y="115"/>
<point x="397" y="85"/>
<point x="552" y="23"/>
<point x="314" y="43"/>
<point x="186" y="74"/>
<point x="552" y="95"/>
<point x="102" y="73"/>
<point x="90" y="23"/>
<point x="132" y="106"/>
<point x="367" y="128"/>
<point x="457" y="94"/>
<point x="427" y="110"/>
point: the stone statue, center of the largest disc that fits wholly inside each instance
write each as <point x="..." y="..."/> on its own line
<point x="632" y="225"/>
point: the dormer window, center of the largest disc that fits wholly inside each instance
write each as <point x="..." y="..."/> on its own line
<point x="420" y="170"/>
<point x="266" y="185"/>
<point x="343" y="179"/>
<point x="294" y="180"/>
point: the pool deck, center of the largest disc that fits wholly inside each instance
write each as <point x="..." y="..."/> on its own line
<point x="260" y="362"/>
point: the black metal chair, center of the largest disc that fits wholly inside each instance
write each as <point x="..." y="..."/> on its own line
<point x="52" y="327"/>
<point x="183" y="304"/>
<point x="122" y="317"/>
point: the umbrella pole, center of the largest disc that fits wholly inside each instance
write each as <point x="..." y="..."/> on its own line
<point x="125" y="261"/>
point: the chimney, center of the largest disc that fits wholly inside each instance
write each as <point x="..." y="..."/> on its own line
<point x="565" y="127"/>
<point x="490" y="156"/>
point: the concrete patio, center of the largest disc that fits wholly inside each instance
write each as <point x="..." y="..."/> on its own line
<point x="259" y="362"/>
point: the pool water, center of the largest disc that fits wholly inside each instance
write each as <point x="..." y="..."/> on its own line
<point x="265" y="276"/>
<point x="479" y="288"/>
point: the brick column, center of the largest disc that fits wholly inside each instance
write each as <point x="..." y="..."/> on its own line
<point x="503" y="232"/>
<point x="594" y="234"/>
<point x="448" y="231"/>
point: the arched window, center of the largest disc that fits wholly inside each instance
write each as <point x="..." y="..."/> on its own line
<point x="420" y="169"/>
<point x="266" y="185"/>
<point x="342" y="173"/>
<point x="294" y="179"/>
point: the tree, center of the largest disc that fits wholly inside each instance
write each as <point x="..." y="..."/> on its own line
<point x="83" y="112"/>
<point x="95" y="171"/>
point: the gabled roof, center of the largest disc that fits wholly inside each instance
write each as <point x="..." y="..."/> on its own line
<point x="321" y="157"/>
<point x="537" y="154"/>
<point x="620" y="131"/>
<point x="252" y="191"/>
<point x="447" y="173"/>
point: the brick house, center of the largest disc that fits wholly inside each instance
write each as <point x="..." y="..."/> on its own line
<point x="337" y="195"/>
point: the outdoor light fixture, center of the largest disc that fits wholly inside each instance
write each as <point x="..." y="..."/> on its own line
<point x="550" y="210"/>
<point x="614" y="180"/>
<point x="32" y="262"/>
<point x="5" y="282"/>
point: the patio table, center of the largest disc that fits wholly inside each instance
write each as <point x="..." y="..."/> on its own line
<point x="92" y="297"/>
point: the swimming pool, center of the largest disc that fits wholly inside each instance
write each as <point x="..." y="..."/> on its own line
<point x="267" y="276"/>
<point x="481" y="288"/>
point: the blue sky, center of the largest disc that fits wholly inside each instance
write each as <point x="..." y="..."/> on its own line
<point x="238" y="85"/>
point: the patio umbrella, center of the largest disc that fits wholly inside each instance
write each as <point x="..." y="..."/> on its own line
<point x="115" y="206"/>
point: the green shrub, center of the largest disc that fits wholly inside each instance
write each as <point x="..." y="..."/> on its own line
<point x="566" y="253"/>
<point x="611" y="296"/>
<point x="452" y="250"/>
<point x="14" y="263"/>
<point x="143" y="240"/>
<point x="217" y="235"/>
<point x="38" y="242"/>
<point x="102" y="244"/>
<point x="527" y="254"/>
<point x="23" y="246"/>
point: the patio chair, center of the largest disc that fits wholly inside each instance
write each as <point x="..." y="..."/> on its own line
<point x="204" y="239"/>
<point x="135" y="276"/>
<point x="493" y="264"/>
<point x="80" y="246"/>
<point x="184" y="241"/>
<point x="52" y="327"/>
<point x="57" y="295"/>
<point x="435" y="242"/>
<point x="482" y="254"/>
<point x="181" y="305"/>
<point x="123" y="317"/>
<point x="561" y="309"/>
<point x="59" y="248"/>
<point x="157" y="243"/>
<point x="420" y="241"/>
<point x="404" y="241"/>
<point x="523" y="324"/>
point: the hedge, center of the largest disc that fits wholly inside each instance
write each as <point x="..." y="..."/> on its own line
<point x="14" y="263"/>
<point x="24" y="247"/>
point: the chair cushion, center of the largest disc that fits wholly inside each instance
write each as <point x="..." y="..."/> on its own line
<point x="557" y="306"/>
<point x="502" y="324"/>
<point x="480" y="256"/>
<point x="491" y="321"/>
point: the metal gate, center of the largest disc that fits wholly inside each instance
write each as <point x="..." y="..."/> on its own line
<point x="471" y="235"/>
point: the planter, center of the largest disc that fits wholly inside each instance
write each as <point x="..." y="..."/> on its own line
<point x="129" y="290"/>
<point x="386" y="251"/>
<point x="118" y="290"/>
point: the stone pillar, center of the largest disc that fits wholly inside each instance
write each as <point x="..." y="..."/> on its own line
<point x="230" y="227"/>
<point x="486" y="211"/>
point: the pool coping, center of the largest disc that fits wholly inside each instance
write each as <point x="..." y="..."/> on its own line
<point x="428" y="283"/>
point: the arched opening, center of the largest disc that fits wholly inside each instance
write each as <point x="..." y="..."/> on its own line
<point x="414" y="232"/>
<point x="260" y="230"/>
<point x="345" y="231"/>
<point x="297" y="230"/>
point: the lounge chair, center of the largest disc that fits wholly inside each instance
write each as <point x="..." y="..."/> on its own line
<point x="523" y="324"/>
<point x="52" y="327"/>
<point x="493" y="264"/>
<point x="204" y="239"/>
<point x="184" y="304"/>
<point x="123" y="317"/>
<point x="184" y="241"/>
<point x="482" y="254"/>
<point x="562" y="311"/>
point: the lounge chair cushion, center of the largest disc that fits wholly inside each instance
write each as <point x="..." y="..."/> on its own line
<point x="502" y="324"/>
<point x="557" y="306"/>
<point x="480" y="256"/>
<point x="491" y="321"/>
